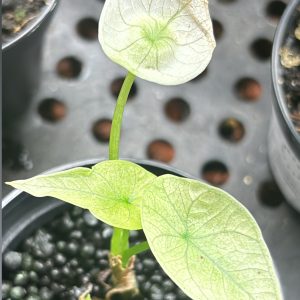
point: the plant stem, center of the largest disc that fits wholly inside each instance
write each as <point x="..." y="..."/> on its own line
<point x="115" y="133"/>
<point x="119" y="241"/>
<point x="141" y="247"/>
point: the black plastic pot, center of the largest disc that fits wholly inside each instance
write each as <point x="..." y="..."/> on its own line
<point x="284" y="141"/>
<point x="21" y="59"/>
<point x="23" y="214"/>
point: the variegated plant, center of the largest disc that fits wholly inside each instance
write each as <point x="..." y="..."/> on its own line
<point x="203" y="238"/>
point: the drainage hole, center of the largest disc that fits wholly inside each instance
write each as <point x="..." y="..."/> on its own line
<point x="101" y="130"/>
<point x="261" y="48"/>
<point x="275" y="9"/>
<point x="177" y="110"/>
<point x="248" y="89"/>
<point x="87" y="28"/>
<point x="231" y="130"/>
<point x="69" y="67"/>
<point x="269" y="194"/>
<point x="161" y="150"/>
<point x="52" y="110"/>
<point x="116" y="85"/>
<point x="218" y="29"/>
<point x="215" y="172"/>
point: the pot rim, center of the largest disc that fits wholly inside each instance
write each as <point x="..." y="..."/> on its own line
<point x="79" y="163"/>
<point x="32" y="27"/>
<point x="280" y="102"/>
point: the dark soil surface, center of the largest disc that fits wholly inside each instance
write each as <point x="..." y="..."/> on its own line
<point x="290" y="60"/>
<point x="17" y="14"/>
<point x="60" y="259"/>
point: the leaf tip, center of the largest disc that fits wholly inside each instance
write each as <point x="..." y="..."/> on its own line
<point x="17" y="184"/>
<point x="12" y="183"/>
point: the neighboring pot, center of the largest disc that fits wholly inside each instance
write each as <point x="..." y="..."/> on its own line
<point x="21" y="58"/>
<point x="22" y="213"/>
<point x="284" y="141"/>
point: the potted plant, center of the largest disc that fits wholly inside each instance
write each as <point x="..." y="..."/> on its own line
<point x="284" y="137"/>
<point x="23" y="26"/>
<point x="203" y="239"/>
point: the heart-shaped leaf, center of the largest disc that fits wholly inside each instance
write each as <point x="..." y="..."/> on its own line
<point x="207" y="242"/>
<point x="111" y="190"/>
<point x="168" y="42"/>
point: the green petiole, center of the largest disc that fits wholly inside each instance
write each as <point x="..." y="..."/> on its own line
<point x="115" y="133"/>
<point x="136" y="249"/>
<point x="119" y="241"/>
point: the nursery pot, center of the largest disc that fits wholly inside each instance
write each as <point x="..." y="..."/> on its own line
<point x="21" y="57"/>
<point x="23" y="214"/>
<point x="284" y="141"/>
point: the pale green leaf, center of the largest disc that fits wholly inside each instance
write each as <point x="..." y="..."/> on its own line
<point x="111" y="190"/>
<point x="207" y="242"/>
<point x="168" y="42"/>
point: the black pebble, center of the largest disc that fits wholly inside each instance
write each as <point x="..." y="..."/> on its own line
<point x="75" y="292"/>
<point x="67" y="223"/>
<point x="76" y="234"/>
<point x="79" y="224"/>
<point x="27" y="262"/>
<point x="156" y="278"/>
<point x="89" y="219"/>
<point x="107" y="233"/>
<point x="103" y="263"/>
<point x="101" y="254"/>
<point x="96" y="238"/>
<point x="49" y="264"/>
<point x="74" y="263"/>
<point x="33" y="297"/>
<point x="6" y="286"/>
<point x="76" y="211"/>
<point x="57" y="288"/>
<point x="46" y="293"/>
<point x="170" y="296"/>
<point x="72" y="248"/>
<point x="38" y="267"/>
<point x="45" y="280"/>
<point x="28" y="244"/>
<point x="66" y="272"/>
<point x="145" y="288"/>
<point x="17" y="292"/>
<point x="87" y="250"/>
<point x="94" y="273"/>
<point x="79" y="271"/>
<point x="33" y="277"/>
<point x="134" y="234"/>
<point x="55" y="274"/>
<point x="148" y="265"/>
<point x="32" y="289"/>
<point x="12" y="260"/>
<point x="84" y="279"/>
<point x="141" y="278"/>
<point x="168" y="285"/>
<point x="138" y="267"/>
<point x="96" y="289"/>
<point x="61" y="246"/>
<point x="60" y="259"/>
<point x="21" y="278"/>
<point x="42" y="246"/>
